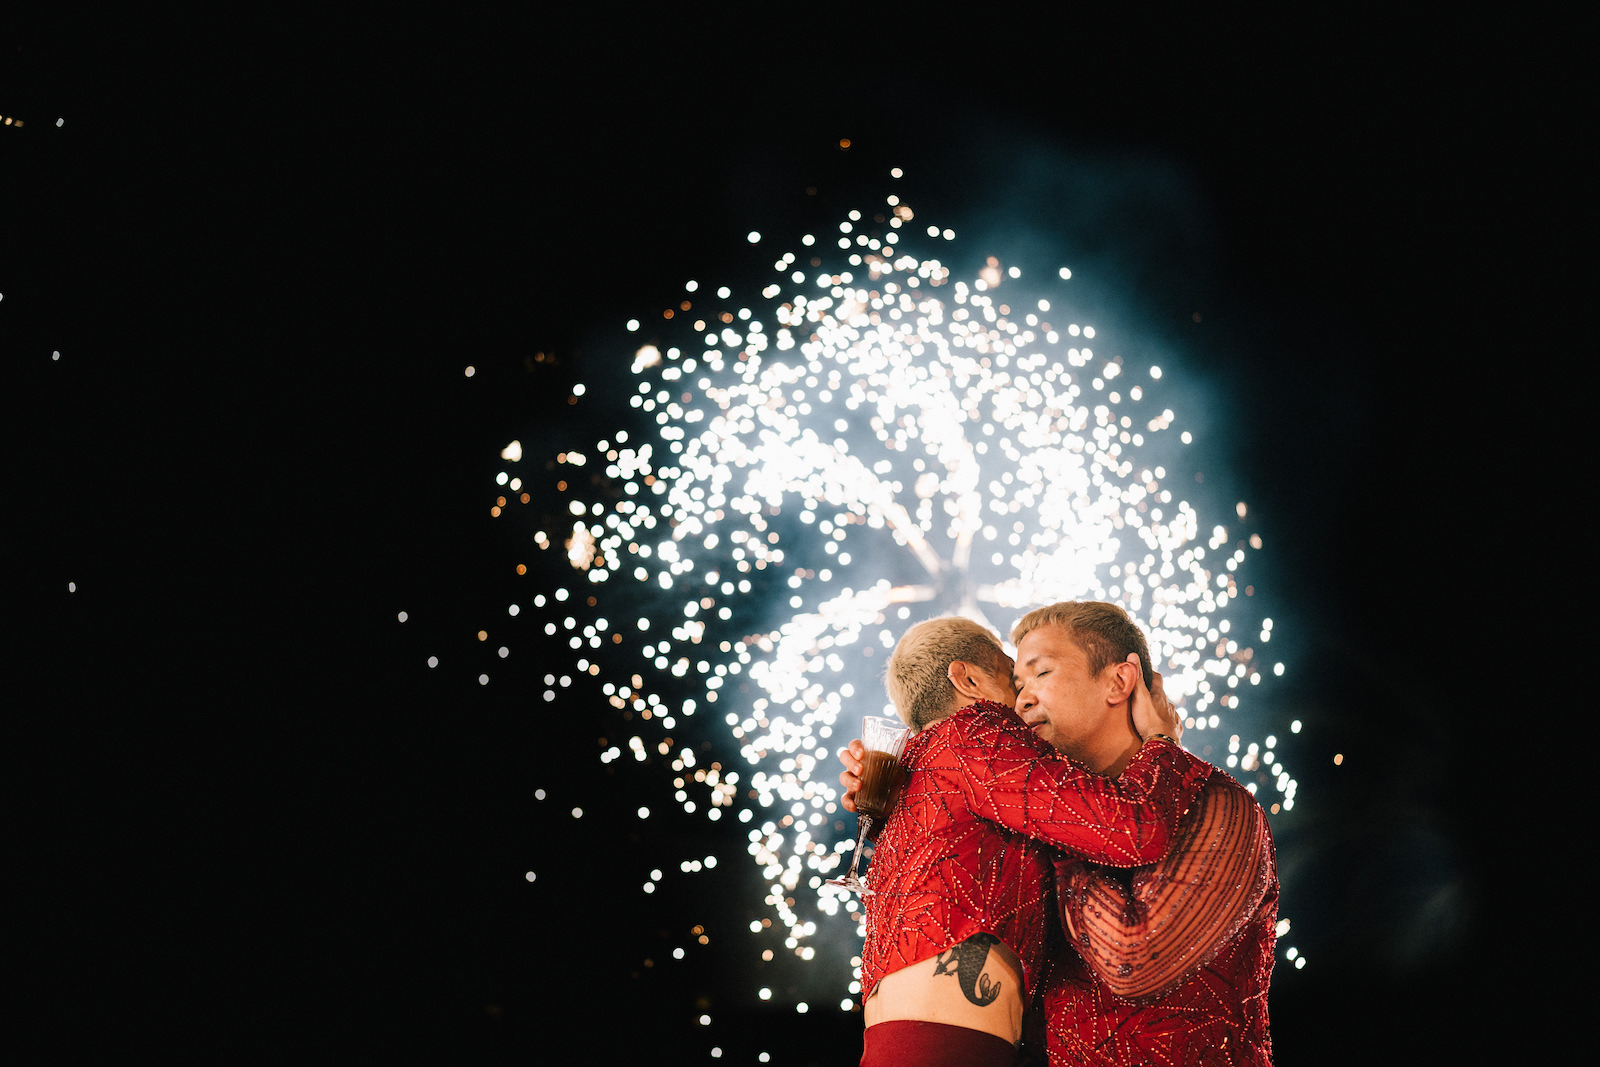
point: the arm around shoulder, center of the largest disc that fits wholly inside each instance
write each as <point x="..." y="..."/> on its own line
<point x="1016" y="781"/>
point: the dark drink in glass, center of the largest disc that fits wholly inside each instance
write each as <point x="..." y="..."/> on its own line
<point x="880" y="773"/>
<point x="884" y="739"/>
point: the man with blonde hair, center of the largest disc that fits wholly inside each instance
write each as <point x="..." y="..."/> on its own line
<point x="921" y="677"/>
<point x="1173" y="958"/>
<point x="962" y="902"/>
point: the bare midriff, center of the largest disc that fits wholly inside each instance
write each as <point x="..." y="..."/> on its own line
<point x="989" y="997"/>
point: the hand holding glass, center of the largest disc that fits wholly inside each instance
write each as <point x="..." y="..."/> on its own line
<point x="884" y="740"/>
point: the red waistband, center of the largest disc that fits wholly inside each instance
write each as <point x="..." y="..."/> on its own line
<point x="909" y="1041"/>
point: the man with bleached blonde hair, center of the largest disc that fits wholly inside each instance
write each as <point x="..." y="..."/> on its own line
<point x="961" y="907"/>
<point x="920" y="673"/>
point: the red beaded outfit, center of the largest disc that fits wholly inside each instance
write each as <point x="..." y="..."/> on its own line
<point x="1172" y="965"/>
<point x="966" y="849"/>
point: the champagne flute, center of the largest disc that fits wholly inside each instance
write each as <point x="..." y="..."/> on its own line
<point x="884" y="740"/>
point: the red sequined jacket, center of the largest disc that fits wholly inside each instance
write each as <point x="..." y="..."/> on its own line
<point x="1172" y="964"/>
<point x="967" y="848"/>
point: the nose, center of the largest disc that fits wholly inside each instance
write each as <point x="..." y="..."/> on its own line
<point x="1025" y="699"/>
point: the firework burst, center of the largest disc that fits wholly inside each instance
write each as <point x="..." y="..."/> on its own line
<point x="861" y="442"/>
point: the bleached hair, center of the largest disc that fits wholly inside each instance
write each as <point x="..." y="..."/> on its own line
<point x="918" y="674"/>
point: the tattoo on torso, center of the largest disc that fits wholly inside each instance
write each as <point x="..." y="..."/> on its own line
<point x="966" y="961"/>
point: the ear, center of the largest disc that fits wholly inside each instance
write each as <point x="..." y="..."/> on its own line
<point x="960" y="675"/>
<point x="1122" y="681"/>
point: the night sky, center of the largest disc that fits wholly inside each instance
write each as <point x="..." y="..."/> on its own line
<point x="250" y="821"/>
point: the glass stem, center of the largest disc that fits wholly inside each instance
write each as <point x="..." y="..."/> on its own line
<point x="865" y="822"/>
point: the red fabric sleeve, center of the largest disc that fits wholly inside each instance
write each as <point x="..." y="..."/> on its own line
<point x="1122" y="822"/>
<point x="1144" y="940"/>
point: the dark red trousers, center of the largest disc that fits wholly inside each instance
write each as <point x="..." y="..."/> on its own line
<point x="908" y="1043"/>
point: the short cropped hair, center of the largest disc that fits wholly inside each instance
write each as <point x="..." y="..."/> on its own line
<point x="1103" y="631"/>
<point x="918" y="674"/>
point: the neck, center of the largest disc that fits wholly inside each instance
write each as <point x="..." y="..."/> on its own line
<point x="1120" y="744"/>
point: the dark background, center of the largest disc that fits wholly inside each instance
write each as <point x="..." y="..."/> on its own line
<point x="245" y="821"/>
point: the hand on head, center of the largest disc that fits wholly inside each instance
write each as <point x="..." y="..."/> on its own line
<point x="1152" y="712"/>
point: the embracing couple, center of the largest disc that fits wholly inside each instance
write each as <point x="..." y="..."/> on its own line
<point x="1059" y="880"/>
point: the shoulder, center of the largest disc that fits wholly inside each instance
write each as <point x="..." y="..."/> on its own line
<point x="1225" y="786"/>
<point x="981" y="725"/>
<point x="988" y="720"/>
<point x="1225" y="797"/>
